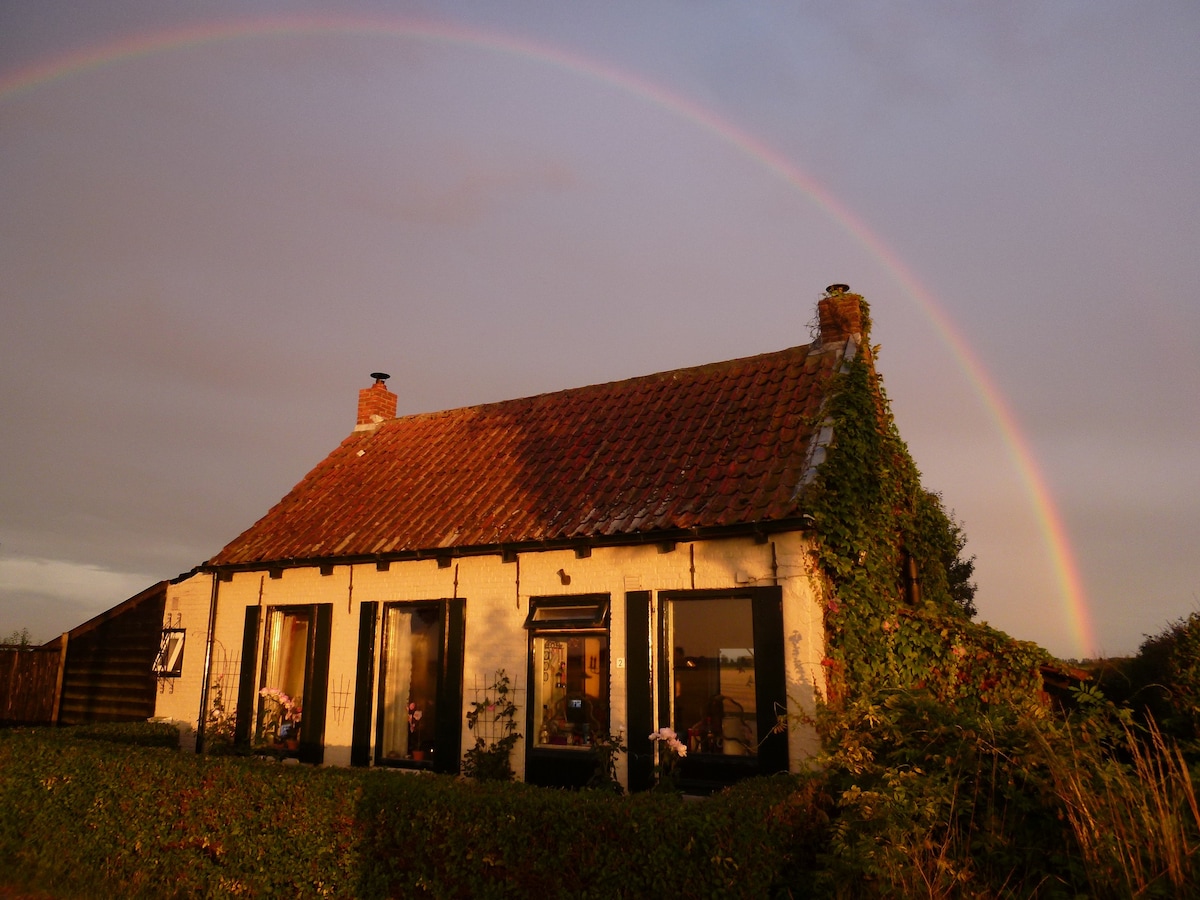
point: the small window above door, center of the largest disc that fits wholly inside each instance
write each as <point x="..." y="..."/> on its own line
<point x="577" y="611"/>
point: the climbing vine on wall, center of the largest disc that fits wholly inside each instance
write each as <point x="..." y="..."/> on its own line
<point x="897" y="614"/>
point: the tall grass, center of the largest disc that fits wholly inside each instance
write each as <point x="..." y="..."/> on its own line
<point x="1136" y="823"/>
<point x="938" y="802"/>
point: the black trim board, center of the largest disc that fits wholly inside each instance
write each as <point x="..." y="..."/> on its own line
<point x="639" y="691"/>
<point x="364" y="684"/>
<point x="246" y="678"/>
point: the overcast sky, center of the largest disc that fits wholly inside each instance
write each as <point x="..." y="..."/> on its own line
<point x="216" y="218"/>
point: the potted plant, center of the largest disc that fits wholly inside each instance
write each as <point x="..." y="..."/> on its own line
<point x="281" y="717"/>
<point x="414" y="732"/>
<point x="669" y="751"/>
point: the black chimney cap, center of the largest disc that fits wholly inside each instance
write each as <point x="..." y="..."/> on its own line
<point x="380" y="376"/>
<point x="837" y="289"/>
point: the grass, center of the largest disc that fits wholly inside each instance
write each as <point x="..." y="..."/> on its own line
<point x="1136" y="824"/>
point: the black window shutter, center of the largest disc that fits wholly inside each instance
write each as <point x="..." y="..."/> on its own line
<point x="448" y="727"/>
<point x="316" y="690"/>
<point x="246" y="694"/>
<point x="360" y="734"/>
<point x="771" y="686"/>
<point x="639" y="696"/>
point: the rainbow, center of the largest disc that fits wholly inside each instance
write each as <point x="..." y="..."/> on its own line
<point x="80" y="61"/>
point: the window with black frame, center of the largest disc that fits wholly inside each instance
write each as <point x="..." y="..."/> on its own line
<point x="288" y="636"/>
<point x="569" y="671"/>
<point x="714" y="706"/>
<point x="409" y="682"/>
<point x="169" y="661"/>
<point x="721" y="687"/>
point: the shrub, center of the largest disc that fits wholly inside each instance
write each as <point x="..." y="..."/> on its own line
<point x="82" y="817"/>
<point x="1004" y="800"/>
<point x="1163" y="682"/>
<point x="142" y="734"/>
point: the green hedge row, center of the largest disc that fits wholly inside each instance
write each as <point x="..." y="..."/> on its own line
<point x="81" y="818"/>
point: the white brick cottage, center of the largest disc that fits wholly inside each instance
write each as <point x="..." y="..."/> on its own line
<point x="632" y="555"/>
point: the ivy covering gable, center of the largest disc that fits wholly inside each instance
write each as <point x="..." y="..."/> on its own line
<point x="900" y="600"/>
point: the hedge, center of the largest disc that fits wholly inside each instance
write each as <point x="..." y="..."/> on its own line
<point x="86" y="818"/>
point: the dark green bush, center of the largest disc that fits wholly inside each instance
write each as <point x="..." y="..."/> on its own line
<point x="85" y="817"/>
<point x="143" y="734"/>
<point x="495" y="840"/>
<point x="1163" y="682"/>
<point x="81" y="818"/>
<point x="1001" y="800"/>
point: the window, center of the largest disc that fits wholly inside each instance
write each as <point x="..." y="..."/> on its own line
<point x="295" y="644"/>
<point x="169" y="662"/>
<point x="714" y="705"/>
<point x="569" y="670"/>
<point x="721" y="682"/>
<point x="281" y="699"/>
<point x="409" y="687"/>
<point x="411" y="715"/>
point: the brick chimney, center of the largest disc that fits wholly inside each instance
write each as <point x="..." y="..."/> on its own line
<point x="376" y="403"/>
<point x="840" y="314"/>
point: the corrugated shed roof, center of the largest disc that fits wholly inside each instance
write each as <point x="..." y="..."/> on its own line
<point x="715" y="445"/>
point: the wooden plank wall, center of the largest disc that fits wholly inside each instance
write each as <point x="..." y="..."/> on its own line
<point x="28" y="679"/>
<point x="109" y="673"/>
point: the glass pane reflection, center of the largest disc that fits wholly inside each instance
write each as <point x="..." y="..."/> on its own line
<point x="714" y="707"/>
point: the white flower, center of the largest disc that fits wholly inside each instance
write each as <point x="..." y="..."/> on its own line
<point x="671" y="739"/>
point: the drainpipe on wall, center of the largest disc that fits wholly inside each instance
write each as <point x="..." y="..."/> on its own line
<point x="208" y="651"/>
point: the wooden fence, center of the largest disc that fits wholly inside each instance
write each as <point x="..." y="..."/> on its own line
<point x="29" y="679"/>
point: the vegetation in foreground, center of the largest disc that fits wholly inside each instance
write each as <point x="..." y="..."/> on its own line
<point x="916" y="798"/>
<point x="82" y="818"/>
<point x="951" y="773"/>
<point x="937" y="802"/>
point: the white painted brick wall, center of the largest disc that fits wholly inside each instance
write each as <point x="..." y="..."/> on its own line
<point x="496" y="606"/>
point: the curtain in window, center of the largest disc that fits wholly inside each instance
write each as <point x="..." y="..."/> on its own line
<point x="397" y="667"/>
<point x="287" y="641"/>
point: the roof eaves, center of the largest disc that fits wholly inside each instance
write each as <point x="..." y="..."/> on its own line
<point x="624" y="539"/>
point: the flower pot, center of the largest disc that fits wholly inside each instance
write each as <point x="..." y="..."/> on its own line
<point x="292" y="743"/>
<point x="418" y="755"/>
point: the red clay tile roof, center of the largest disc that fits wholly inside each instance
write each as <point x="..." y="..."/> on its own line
<point x="717" y="445"/>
